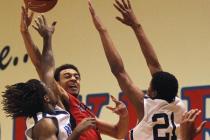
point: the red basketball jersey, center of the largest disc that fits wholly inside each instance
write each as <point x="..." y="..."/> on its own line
<point x="80" y="111"/>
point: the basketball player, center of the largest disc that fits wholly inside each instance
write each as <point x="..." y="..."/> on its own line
<point x="34" y="99"/>
<point x="69" y="79"/>
<point x="159" y="113"/>
<point x="188" y="130"/>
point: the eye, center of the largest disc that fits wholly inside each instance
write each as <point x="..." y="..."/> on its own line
<point x="67" y="76"/>
<point x="77" y="76"/>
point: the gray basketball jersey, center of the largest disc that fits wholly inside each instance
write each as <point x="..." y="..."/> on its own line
<point x="161" y="120"/>
<point x="62" y="117"/>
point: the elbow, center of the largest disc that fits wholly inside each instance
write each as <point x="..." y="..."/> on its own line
<point x="116" y="71"/>
<point x="121" y="135"/>
<point x="122" y="130"/>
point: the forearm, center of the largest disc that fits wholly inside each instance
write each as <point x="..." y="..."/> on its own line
<point x="47" y="53"/>
<point x="75" y="135"/>
<point x="118" y="70"/>
<point x="187" y="137"/>
<point x="112" y="55"/>
<point x="147" y="49"/>
<point x="118" y="130"/>
<point x="48" y="62"/>
<point x="122" y="127"/>
<point x="32" y="51"/>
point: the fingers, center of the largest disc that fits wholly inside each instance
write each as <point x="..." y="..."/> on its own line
<point x="118" y="8"/>
<point x="90" y="122"/>
<point x="129" y="4"/>
<point x="125" y="5"/>
<point x="37" y="23"/>
<point x="26" y="10"/>
<point x="110" y="108"/>
<point x="121" y="20"/>
<point x="91" y="7"/>
<point x="200" y="127"/>
<point x="31" y="16"/>
<point x="23" y="9"/>
<point x="27" y="19"/>
<point x="188" y="115"/>
<point x="54" y="23"/>
<point x="195" y="114"/>
<point x="44" y="19"/>
<point x="35" y="28"/>
<point x="41" y="22"/>
<point x="192" y="114"/>
<point x="115" y="100"/>
<point x="24" y="13"/>
<point x="120" y="5"/>
<point x="114" y="109"/>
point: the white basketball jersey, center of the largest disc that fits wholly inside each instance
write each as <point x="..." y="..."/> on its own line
<point x="161" y="120"/>
<point x="62" y="117"/>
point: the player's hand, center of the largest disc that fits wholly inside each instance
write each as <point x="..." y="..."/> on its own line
<point x="188" y="129"/>
<point x="26" y="19"/>
<point x="86" y="124"/>
<point x="120" y="108"/>
<point x="42" y="27"/>
<point x="128" y="16"/>
<point x="97" y="22"/>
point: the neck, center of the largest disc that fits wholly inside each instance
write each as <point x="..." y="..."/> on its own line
<point x="49" y="108"/>
<point x="75" y="95"/>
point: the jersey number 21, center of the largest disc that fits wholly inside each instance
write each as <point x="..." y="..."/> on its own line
<point x="164" y="126"/>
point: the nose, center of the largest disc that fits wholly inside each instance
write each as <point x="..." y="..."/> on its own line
<point x="73" y="78"/>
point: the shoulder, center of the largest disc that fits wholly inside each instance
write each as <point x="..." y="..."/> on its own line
<point x="47" y="125"/>
<point x="180" y="104"/>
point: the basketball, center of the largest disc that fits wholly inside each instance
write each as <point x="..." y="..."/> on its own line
<point x="40" y="6"/>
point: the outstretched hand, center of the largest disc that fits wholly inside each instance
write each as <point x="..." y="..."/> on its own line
<point x="128" y="16"/>
<point x="97" y="22"/>
<point x="120" y="108"/>
<point x="26" y="19"/>
<point x="188" y="129"/>
<point x="42" y="28"/>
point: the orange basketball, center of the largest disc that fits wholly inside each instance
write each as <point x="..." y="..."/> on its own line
<point x="40" y="6"/>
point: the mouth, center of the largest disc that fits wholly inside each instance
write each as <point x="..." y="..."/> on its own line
<point x="73" y="87"/>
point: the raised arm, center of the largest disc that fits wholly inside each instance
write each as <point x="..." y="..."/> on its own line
<point x="47" y="59"/>
<point x="129" y="19"/>
<point x="31" y="48"/>
<point x="47" y="64"/>
<point x="115" y="62"/>
<point x="44" y="63"/>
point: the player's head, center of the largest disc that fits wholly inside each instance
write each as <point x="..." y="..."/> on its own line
<point x="68" y="77"/>
<point x="163" y="86"/>
<point x="27" y="99"/>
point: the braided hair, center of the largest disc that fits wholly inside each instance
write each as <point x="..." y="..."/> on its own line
<point x="24" y="99"/>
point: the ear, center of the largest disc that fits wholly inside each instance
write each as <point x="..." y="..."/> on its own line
<point x="154" y="95"/>
<point x="47" y="99"/>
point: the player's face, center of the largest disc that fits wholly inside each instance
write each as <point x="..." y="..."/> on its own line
<point x="70" y="81"/>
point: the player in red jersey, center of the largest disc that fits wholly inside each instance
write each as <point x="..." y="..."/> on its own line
<point x="69" y="81"/>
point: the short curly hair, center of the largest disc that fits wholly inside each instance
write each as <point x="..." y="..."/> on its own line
<point x="24" y="99"/>
<point x="166" y="85"/>
<point x="63" y="67"/>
